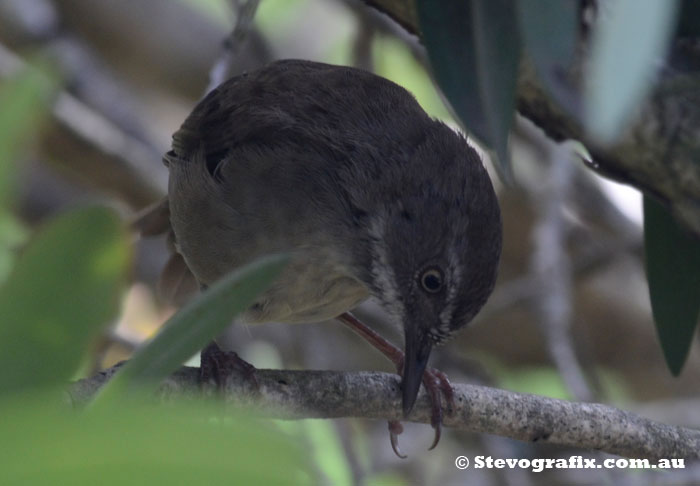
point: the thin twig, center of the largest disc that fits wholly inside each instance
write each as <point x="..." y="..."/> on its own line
<point x="245" y="13"/>
<point x="551" y="265"/>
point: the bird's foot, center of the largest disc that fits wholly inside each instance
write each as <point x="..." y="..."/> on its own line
<point x="438" y="387"/>
<point x="435" y="382"/>
<point x="217" y="364"/>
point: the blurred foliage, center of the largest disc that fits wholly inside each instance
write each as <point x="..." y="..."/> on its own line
<point x="12" y="235"/>
<point x="273" y="17"/>
<point x="63" y="289"/>
<point x="547" y="381"/>
<point x="69" y="278"/>
<point x="273" y="14"/>
<point x="195" y="325"/>
<point x="479" y="77"/>
<point x="327" y="451"/>
<point x="23" y="100"/>
<point x="688" y="19"/>
<point x="550" y="31"/>
<point x="183" y="443"/>
<point x="443" y="27"/>
<point x="673" y="270"/>
<point x="394" y="61"/>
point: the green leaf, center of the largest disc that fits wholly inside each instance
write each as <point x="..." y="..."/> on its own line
<point x="673" y="271"/>
<point x="689" y="19"/>
<point x="195" y="325"/>
<point x="446" y="28"/>
<point x="497" y="45"/>
<point x="627" y="48"/>
<point x="474" y="50"/>
<point x="182" y="443"/>
<point x="550" y="31"/>
<point x="327" y="449"/>
<point x="12" y="235"/>
<point x="64" y="289"/>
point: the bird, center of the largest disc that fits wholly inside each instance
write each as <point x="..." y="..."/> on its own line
<point x="343" y="170"/>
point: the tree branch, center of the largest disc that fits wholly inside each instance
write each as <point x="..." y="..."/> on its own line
<point x="289" y="394"/>
<point x="658" y="152"/>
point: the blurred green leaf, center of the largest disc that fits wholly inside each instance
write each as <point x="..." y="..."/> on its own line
<point x="23" y="101"/>
<point x="673" y="271"/>
<point x="474" y="50"/>
<point x="328" y="453"/>
<point x="64" y="289"/>
<point x="386" y="479"/>
<point x="627" y="47"/>
<point x="276" y="18"/>
<point x="497" y="45"/>
<point x="550" y="31"/>
<point x="446" y="30"/>
<point x="323" y="446"/>
<point x="178" y="444"/>
<point x="689" y="19"/>
<point x="12" y="234"/>
<point x="195" y="325"/>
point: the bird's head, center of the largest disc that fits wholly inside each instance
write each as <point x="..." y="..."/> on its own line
<point x="435" y="250"/>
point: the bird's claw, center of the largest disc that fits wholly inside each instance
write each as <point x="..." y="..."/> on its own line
<point x="437" y="385"/>
<point x="395" y="429"/>
<point x="438" y="432"/>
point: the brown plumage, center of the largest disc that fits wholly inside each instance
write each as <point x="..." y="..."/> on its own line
<point x="344" y="170"/>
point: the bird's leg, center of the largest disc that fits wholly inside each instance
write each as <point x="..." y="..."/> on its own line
<point x="434" y="381"/>
<point x="217" y="364"/>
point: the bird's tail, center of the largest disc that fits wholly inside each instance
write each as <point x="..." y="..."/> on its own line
<point x="177" y="283"/>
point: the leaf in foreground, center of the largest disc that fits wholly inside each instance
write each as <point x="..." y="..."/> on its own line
<point x="673" y="271"/>
<point x="175" y="444"/>
<point x="64" y="289"/>
<point x="474" y="48"/>
<point x="195" y="325"/>
<point x="550" y="33"/>
<point x="627" y="50"/>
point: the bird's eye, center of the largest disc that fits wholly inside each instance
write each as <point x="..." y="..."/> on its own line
<point x="432" y="280"/>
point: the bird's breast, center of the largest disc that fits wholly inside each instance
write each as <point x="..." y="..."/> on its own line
<point x="310" y="289"/>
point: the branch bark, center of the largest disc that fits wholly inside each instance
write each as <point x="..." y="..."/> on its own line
<point x="657" y="154"/>
<point x="289" y="394"/>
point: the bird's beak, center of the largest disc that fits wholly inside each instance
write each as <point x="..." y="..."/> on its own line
<point x="417" y="352"/>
